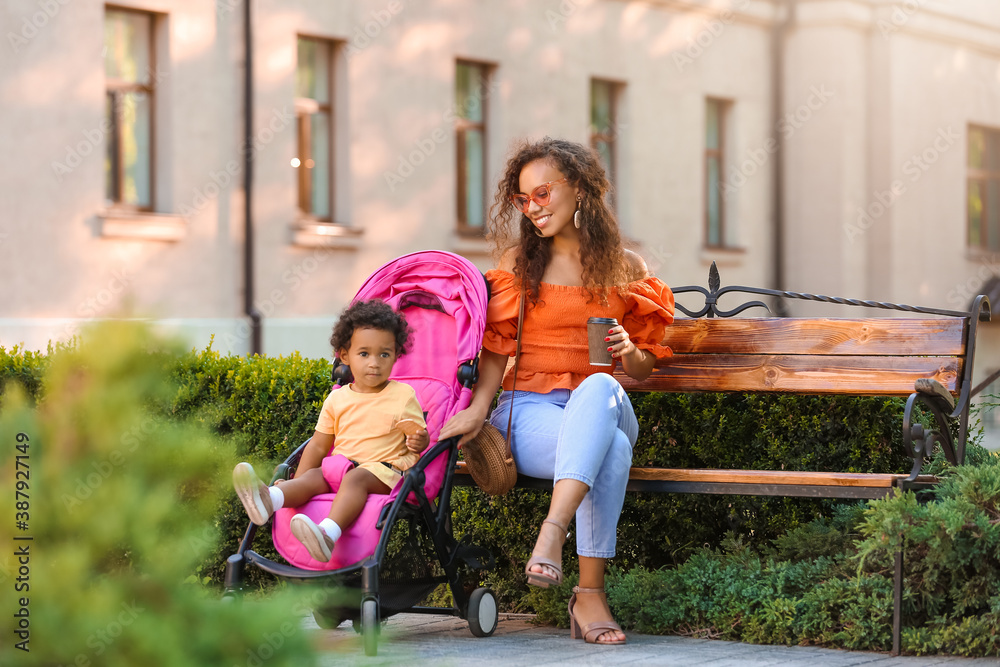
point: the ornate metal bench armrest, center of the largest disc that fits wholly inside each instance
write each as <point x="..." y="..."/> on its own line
<point x="936" y="391"/>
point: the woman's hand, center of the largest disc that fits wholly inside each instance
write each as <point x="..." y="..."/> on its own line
<point x="619" y="343"/>
<point x="636" y="363"/>
<point x="466" y="423"/>
<point x="469" y="421"/>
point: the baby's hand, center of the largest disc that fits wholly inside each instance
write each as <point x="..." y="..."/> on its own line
<point x="416" y="436"/>
<point x="418" y="441"/>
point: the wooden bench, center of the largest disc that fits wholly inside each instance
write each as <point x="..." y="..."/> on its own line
<point x="927" y="359"/>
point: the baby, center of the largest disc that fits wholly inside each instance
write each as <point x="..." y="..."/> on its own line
<point x="374" y="421"/>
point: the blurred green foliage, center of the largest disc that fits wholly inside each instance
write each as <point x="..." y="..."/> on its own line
<point x="119" y="503"/>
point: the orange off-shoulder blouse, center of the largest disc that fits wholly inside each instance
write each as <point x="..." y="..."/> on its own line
<point x="554" y="353"/>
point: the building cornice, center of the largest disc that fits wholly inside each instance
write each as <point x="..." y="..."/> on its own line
<point x="922" y="19"/>
<point x="930" y="20"/>
<point x="751" y="12"/>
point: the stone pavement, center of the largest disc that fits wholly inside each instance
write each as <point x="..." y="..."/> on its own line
<point x="419" y="639"/>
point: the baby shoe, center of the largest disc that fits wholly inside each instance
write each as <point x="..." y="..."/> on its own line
<point x="253" y="493"/>
<point x="313" y="538"/>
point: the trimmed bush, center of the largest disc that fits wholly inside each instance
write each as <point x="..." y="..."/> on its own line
<point x="24" y="369"/>
<point x="265" y="407"/>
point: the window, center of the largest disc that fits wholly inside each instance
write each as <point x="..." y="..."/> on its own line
<point x="128" y="111"/>
<point x="984" y="189"/>
<point x="716" y="234"/>
<point x="985" y="405"/>
<point x="604" y="127"/>
<point x="471" y="85"/>
<point x="314" y="124"/>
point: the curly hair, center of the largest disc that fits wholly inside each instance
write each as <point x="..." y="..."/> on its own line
<point x="372" y="314"/>
<point x="601" y="249"/>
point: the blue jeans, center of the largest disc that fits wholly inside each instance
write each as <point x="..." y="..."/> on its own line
<point x="585" y="434"/>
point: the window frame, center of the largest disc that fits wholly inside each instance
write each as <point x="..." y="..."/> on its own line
<point x="982" y="176"/>
<point x="610" y="137"/>
<point x="117" y="89"/>
<point x="462" y="126"/>
<point x="724" y="107"/>
<point x="305" y="107"/>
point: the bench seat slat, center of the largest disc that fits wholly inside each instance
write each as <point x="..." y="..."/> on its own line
<point x="836" y="336"/>
<point x="730" y="481"/>
<point x="858" y="376"/>
<point x="765" y="477"/>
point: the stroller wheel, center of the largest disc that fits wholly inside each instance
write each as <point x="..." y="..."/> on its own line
<point x="369" y="626"/>
<point x="325" y="620"/>
<point x="483" y="614"/>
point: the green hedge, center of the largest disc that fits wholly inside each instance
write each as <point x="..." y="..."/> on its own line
<point x="25" y="368"/>
<point x="267" y="406"/>
<point x="699" y="545"/>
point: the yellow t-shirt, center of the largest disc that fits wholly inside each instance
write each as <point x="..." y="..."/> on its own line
<point x="364" y="425"/>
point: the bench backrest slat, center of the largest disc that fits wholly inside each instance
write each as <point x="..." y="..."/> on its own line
<point x="807" y="374"/>
<point x="777" y="335"/>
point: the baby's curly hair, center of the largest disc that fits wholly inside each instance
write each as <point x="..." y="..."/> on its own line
<point x="372" y="314"/>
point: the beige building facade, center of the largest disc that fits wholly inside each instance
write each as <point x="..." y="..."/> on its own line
<point x="841" y="147"/>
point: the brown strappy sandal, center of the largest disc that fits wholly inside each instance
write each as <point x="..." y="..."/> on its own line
<point x="592" y="631"/>
<point x="541" y="579"/>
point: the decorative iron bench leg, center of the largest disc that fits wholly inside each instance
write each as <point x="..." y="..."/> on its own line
<point x="897" y="603"/>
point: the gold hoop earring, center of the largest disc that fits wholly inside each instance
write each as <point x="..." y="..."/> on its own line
<point x="539" y="234"/>
<point x="576" y="216"/>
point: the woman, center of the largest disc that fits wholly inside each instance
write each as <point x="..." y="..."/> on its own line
<point x="573" y="423"/>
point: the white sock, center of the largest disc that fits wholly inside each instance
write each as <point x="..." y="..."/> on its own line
<point x="330" y="527"/>
<point x="277" y="498"/>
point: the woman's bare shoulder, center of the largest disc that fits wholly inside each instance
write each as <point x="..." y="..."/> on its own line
<point x="636" y="266"/>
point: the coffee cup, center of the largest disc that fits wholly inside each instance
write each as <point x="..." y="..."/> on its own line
<point x="597" y="331"/>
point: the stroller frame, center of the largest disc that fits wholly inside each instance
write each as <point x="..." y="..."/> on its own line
<point x="381" y="595"/>
<point x="479" y="608"/>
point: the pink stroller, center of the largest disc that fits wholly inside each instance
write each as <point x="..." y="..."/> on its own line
<point x="401" y="547"/>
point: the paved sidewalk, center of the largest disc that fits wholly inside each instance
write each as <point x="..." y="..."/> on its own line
<point x="418" y="639"/>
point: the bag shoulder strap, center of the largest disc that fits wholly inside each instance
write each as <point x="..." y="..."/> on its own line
<point x="517" y="360"/>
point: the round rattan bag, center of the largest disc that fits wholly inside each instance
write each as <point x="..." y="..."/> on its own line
<point x="489" y="461"/>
